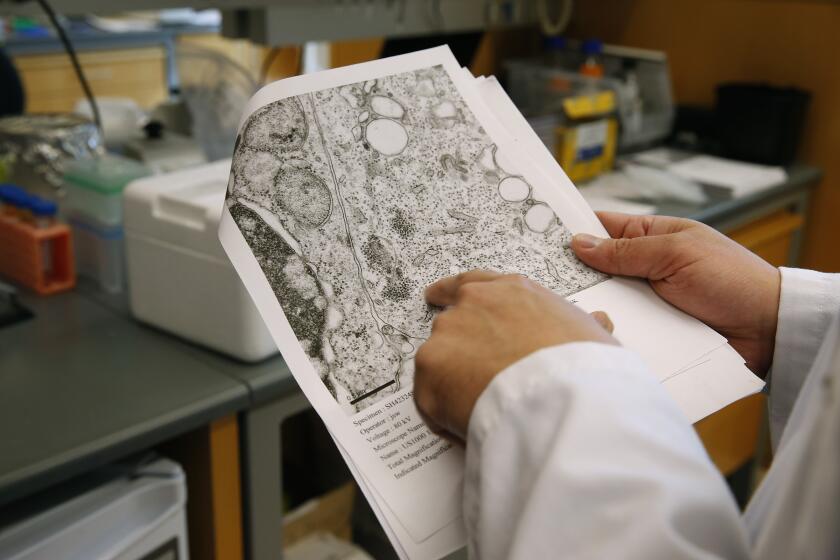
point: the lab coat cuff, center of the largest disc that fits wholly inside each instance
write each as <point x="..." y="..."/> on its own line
<point x="807" y="303"/>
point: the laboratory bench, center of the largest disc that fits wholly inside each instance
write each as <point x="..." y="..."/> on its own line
<point x="83" y="385"/>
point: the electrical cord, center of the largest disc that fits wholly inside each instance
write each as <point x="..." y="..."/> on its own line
<point x="556" y="27"/>
<point x="74" y="60"/>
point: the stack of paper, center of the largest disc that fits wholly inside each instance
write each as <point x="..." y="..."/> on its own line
<point x="740" y="177"/>
<point x="353" y="189"/>
<point x="634" y="181"/>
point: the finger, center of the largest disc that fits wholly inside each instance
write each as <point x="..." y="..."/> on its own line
<point x="603" y="320"/>
<point x="629" y="226"/>
<point x="440" y="431"/>
<point x="444" y="291"/>
<point x="450" y="437"/>
<point x="646" y="257"/>
<point x="444" y="317"/>
<point x="426" y="401"/>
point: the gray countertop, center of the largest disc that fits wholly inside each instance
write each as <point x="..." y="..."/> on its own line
<point x="265" y="380"/>
<point x="722" y="209"/>
<point x="82" y="384"/>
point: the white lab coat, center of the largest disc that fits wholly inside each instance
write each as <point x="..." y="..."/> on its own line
<point x="577" y="452"/>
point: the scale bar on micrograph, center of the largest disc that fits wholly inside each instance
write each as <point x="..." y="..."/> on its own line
<point x="373" y="392"/>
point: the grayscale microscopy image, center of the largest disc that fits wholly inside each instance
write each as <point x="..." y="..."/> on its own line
<point x="353" y="199"/>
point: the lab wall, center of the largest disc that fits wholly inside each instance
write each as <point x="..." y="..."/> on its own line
<point x="781" y="42"/>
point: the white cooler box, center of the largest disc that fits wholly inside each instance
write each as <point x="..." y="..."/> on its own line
<point x="179" y="278"/>
<point x="140" y="516"/>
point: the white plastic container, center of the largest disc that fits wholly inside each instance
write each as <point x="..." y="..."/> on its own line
<point x="645" y="102"/>
<point x="179" y="277"/>
<point x="138" y="517"/>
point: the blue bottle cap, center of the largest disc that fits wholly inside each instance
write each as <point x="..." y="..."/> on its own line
<point x="15" y="196"/>
<point x="42" y="208"/>
<point x="592" y="47"/>
<point x="8" y="192"/>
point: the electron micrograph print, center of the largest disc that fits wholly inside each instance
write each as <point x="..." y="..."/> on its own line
<point x="353" y="199"/>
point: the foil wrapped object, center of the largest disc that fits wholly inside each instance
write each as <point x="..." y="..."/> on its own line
<point x="37" y="147"/>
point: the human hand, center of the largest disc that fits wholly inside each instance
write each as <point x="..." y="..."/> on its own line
<point x="490" y="322"/>
<point x="697" y="270"/>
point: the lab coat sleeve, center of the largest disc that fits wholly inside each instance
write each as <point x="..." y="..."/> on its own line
<point x="577" y="452"/>
<point x="807" y="303"/>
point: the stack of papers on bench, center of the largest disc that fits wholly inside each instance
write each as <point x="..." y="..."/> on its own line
<point x="739" y="177"/>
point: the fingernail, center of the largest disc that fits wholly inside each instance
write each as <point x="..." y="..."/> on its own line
<point x="586" y="241"/>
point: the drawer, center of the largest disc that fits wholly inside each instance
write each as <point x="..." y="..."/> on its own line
<point x="730" y="435"/>
<point x="770" y="237"/>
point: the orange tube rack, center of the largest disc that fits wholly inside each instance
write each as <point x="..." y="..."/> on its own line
<point x="38" y="258"/>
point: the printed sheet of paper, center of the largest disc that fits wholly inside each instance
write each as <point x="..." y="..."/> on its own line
<point x="353" y="189"/>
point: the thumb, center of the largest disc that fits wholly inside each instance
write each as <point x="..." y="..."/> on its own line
<point x="638" y="256"/>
